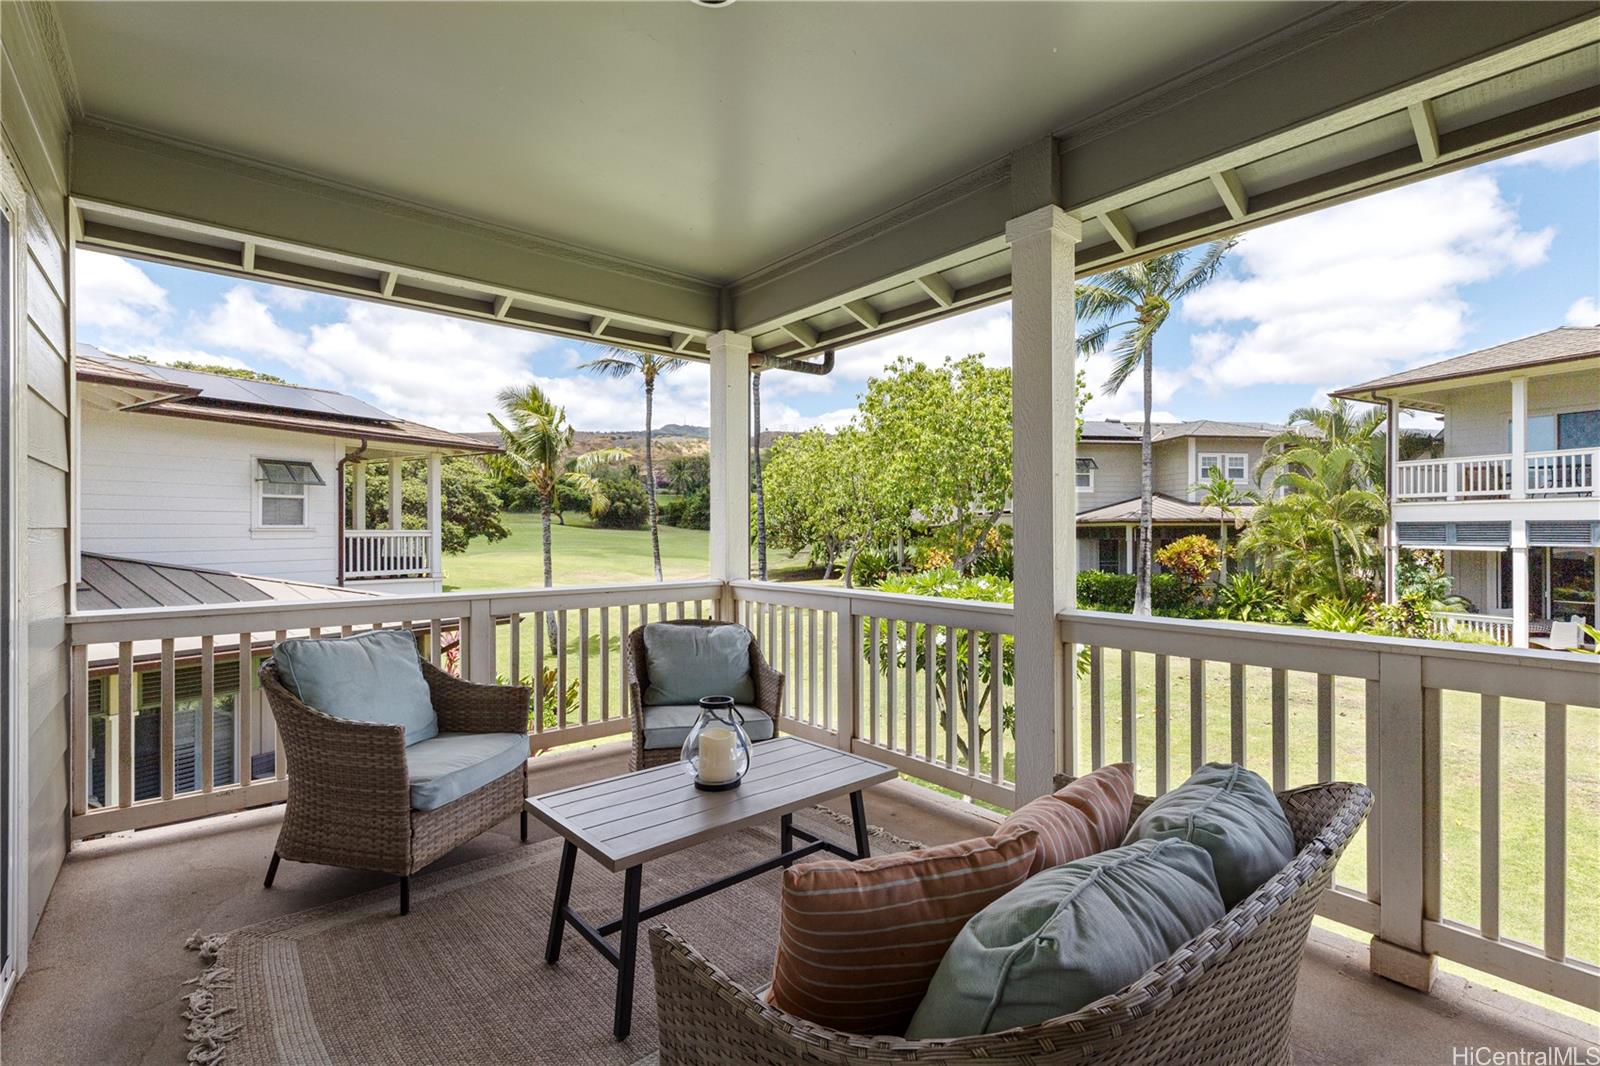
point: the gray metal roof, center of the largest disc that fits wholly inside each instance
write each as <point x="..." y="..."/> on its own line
<point x="1553" y="346"/>
<point x="111" y="583"/>
<point x="1164" y="508"/>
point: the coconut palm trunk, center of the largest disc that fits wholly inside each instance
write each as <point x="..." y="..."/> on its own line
<point x="1222" y="556"/>
<point x="1141" y="594"/>
<point x="761" y="493"/>
<point x="650" y="468"/>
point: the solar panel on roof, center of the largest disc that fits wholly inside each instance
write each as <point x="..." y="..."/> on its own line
<point x="220" y="389"/>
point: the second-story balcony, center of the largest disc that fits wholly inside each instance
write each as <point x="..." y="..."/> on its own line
<point x="1569" y="472"/>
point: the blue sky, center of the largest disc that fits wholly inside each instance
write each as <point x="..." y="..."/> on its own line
<point x="1420" y="273"/>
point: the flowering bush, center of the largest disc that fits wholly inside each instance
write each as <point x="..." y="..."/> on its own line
<point x="1193" y="558"/>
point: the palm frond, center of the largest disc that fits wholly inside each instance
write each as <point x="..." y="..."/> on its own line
<point x="1204" y="269"/>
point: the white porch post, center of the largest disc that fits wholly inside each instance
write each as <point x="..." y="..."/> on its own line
<point x="1520" y="607"/>
<point x="1044" y="488"/>
<point x="395" y="495"/>
<point x="1519" y="440"/>
<point x="435" y="516"/>
<point x="1130" y="548"/>
<point x="730" y="460"/>
<point x="358" y="502"/>
<point x="1391" y="531"/>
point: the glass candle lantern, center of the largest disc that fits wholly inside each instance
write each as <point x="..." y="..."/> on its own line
<point x="716" y="753"/>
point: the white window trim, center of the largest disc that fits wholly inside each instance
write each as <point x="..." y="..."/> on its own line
<point x="1222" y="460"/>
<point x="257" y="525"/>
<point x="1090" y="474"/>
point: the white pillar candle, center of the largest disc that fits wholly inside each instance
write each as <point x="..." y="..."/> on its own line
<point x="716" y="755"/>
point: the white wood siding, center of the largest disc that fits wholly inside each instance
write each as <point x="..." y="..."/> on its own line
<point x="1176" y="475"/>
<point x="1116" y="476"/>
<point x="35" y="121"/>
<point x="179" y="490"/>
<point x="1476" y="416"/>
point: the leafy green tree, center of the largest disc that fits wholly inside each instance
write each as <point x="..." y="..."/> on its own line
<point x="623" y="363"/>
<point x="469" y="507"/>
<point x="239" y="372"/>
<point x="1227" y="498"/>
<point x="1135" y="301"/>
<point x="805" y="511"/>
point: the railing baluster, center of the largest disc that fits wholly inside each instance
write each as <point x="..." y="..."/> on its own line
<point x="1197" y="714"/>
<point x="583" y="664"/>
<point x="79" y="682"/>
<point x="929" y="689"/>
<point x="873" y="685"/>
<point x="974" y="738"/>
<point x="911" y="688"/>
<point x="561" y="669"/>
<point x="891" y="647"/>
<point x="1555" y="831"/>
<point x="125" y="723"/>
<point x="605" y="660"/>
<point x="242" y="709"/>
<point x="1236" y="709"/>
<point x="1280" y="729"/>
<point x="811" y="666"/>
<point x="514" y="635"/>
<point x="1325" y="737"/>
<point x="1130" y="739"/>
<point x="1489" y="816"/>
<point x="952" y="705"/>
<point x="1097" y="707"/>
<point x="1163" y="723"/>
<point x="831" y="714"/>
<point x="539" y="697"/>
<point x="1372" y="762"/>
<point x="208" y="709"/>
<point x="996" y="708"/>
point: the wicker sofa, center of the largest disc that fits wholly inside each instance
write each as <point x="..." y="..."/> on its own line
<point x="767" y="681"/>
<point x="1224" y="998"/>
<point x="349" y="787"/>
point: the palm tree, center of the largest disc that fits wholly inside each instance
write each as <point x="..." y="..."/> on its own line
<point x="1339" y="423"/>
<point x="623" y="363"/>
<point x="1137" y="299"/>
<point x="1227" y="498"/>
<point x="1327" y="519"/>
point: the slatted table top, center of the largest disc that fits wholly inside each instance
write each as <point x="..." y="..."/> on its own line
<point x="624" y="821"/>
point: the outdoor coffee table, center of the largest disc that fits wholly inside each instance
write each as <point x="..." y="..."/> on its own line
<point x="625" y="822"/>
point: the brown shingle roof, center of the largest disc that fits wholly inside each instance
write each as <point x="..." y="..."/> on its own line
<point x="1553" y="346"/>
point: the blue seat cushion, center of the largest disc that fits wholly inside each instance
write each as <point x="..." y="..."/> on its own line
<point x="685" y="664"/>
<point x="451" y="765"/>
<point x="1233" y="814"/>
<point x="668" y="726"/>
<point x="371" y="677"/>
<point x="1067" y="936"/>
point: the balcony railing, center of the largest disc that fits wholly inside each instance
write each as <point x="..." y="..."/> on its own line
<point x="1570" y="472"/>
<point x="1494" y="626"/>
<point x="388" y="553"/>
<point x="1466" y="748"/>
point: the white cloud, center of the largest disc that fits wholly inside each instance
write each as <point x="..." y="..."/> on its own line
<point x="985" y="331"/>
<point x="116" y="296"/>
<point x="242" y="322"/>
<point x="1360" y="289"/>
<point x="1583" y="312"/>
<point x="1559" y="155"/>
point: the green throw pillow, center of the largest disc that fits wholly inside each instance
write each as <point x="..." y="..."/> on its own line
<point x="1067" y="936"/>
<point x="371" y="677"/>
<point x="1234" y="815"/>
<point x="687" y="663"/>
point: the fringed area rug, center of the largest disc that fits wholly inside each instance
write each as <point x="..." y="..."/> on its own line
<point x="462" y="978"/>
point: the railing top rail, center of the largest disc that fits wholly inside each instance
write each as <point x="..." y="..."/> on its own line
<point x="994" y="617"/>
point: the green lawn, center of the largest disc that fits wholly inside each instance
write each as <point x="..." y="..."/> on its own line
<point x="584" y="555"/>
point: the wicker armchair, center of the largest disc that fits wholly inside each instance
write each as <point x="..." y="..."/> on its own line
<point x="350" y="792"/>
<point x="768" y="685"/>
<point x="1224" y="998"/>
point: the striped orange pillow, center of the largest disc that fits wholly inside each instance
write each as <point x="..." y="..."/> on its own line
<point x="1090" y="815"/>
<point x="858" y="942"/>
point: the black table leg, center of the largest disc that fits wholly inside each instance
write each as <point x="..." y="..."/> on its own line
<point x="858" y="815"/>
<point x="623" y="1020"/>
<point x="786" y="834"/>
<point x="558" y="914"/>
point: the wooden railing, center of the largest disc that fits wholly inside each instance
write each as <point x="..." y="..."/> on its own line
<point x="169" y="721"/>
<point x="1569" y="472"/>
<point x="1497" y="627"/>
<point x="1466" y="748"/>
<point x="387" y="553"/>
<point x="1563" y="473"/>
<point x="920" y="684"/>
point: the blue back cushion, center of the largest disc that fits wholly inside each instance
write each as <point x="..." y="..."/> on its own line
<point x="1233" y="814"/>
<point x="1067" y="936"/>
<point x="372" y="677"/>
<point x="687" y="663"/>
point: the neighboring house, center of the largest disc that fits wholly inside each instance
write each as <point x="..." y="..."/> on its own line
<point x="1512" y="498"/>
<point x="1183" y="454"/>
<point x="205" y="470"/>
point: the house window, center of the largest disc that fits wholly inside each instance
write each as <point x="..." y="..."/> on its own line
<point x="1235" y="467"/>
<point x="282" y="486"/>
<point x="1111" y="556"/>
<point x="1086" y="469"/>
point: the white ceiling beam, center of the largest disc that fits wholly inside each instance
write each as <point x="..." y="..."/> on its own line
<point x="502" y="304"/>
<point x="802" y="333"/>
<point x="247" y="256"/>
<point x="863" y="313"/>
<point x="938" y="288"/>
<point x="1231" y="191"/>
<point x="1121" y="230"/>
<point x="679" y="341"/>
<point x="1426" y="129"/>
<point x="390" y="279"/>
<point x="598" y="324"/>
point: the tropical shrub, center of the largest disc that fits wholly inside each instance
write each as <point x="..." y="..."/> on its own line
<point x="555" y="699"/>
<point x="1337" y="616"/>
<point x="1407" y="617"/>
<point x="626" y="504"/>
<point x="1247" y="597"/>
<point x="688" y="512"/>
<point x="1099" y="591"/>
<point x="1193" y="558"/>
<point x="1420" y="575"/>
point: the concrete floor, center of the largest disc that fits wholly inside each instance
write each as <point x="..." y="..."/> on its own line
<point x="107" y="962"/>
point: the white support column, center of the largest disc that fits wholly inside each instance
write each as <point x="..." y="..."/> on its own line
<point x="730" y="460"/>
<point x="358" y="501"/>
<point x="1044" y="487"/>
<point x="1131" y="549"/>
<point x="1391" y="532"/>
<point x="1519" y="439"/>
<point x="1520" y="607"/>
<point x="435" y="516"/>
<point x="395" y="495"/>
